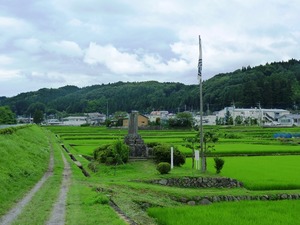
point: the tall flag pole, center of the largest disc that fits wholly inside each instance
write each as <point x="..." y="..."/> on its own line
<point x="200" y="61"/>
<point x="202" y="155"/>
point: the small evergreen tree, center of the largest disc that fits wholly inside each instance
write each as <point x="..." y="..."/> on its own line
<point x="219" y="163"/>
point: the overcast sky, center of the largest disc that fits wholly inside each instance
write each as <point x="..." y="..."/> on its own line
<point x="53" y="43"/>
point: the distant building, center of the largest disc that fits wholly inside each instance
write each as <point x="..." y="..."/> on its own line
<point x="289" y="120"/>
<point x="206" y="120"/>
<point x="263" y="116"/>
<point x="95" y="118"/>
<point x="21" y="119"/>
<point x="162" y="115"/>
<point x="142" y="121"/>
<point x="74" y="120"/>
<point x="54" y="122"/>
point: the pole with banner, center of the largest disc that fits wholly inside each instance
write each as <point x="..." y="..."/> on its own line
<point x="203" y="166"/>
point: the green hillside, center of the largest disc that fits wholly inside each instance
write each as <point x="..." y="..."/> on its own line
<point x="274" y="85"/>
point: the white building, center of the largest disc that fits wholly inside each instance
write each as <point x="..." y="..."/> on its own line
<point x="264" y="116"/>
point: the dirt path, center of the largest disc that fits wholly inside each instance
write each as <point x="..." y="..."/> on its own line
<point x="59" y="208"/>
<point x="17" y="209"/>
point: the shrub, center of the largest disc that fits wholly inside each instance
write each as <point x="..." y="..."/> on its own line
<point x="219" y="163"/>
<point x="162" y="153"/>
<point x="115" y="153"/>
<point x="163" y="167"/>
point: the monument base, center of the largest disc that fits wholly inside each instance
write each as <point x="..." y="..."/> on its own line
<point x="136" y="145"/>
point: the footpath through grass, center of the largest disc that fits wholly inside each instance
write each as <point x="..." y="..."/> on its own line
<point x="25" y="159"/>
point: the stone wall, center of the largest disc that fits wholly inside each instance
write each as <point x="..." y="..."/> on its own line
<point x="206" y="200"/>
<point x="199" y="182"/>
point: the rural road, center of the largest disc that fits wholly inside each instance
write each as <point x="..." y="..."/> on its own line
<point x="59" y="208"/>
<point x="58" y="211"/>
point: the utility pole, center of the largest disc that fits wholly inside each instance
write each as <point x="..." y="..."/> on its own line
<point x="107" y="110"/>
<point x="233" y="116"/>
<point x="260" y="114"/>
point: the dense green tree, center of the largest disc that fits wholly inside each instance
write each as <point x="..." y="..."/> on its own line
<point x="38" y="117"/>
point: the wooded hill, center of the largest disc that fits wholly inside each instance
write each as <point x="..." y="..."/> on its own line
<point x="274" y="85"/>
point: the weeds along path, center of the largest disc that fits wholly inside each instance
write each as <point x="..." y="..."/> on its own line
<point x="15" y="211"/>
<point x="59" y="208"/>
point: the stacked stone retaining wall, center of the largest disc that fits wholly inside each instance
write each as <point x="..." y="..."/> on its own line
<point x="206" y="200"/>
<point x="199" y="182"/>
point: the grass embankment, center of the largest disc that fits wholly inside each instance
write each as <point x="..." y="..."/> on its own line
<point x="24" y="159"/>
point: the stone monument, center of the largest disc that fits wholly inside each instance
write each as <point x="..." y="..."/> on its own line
<point x="133" y="139"/>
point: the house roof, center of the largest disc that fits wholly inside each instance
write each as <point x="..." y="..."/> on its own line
<point x="75" y="117"/>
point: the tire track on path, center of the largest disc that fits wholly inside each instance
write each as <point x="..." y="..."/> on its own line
<point x="11" y="215"/>
<point x="59" y="208"/>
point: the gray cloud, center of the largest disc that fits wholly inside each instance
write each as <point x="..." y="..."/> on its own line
<point x="60" y="42"/>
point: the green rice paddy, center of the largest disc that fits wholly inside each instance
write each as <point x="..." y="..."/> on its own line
<point x="231" y="213"/>
<point x="274" y="169"/>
